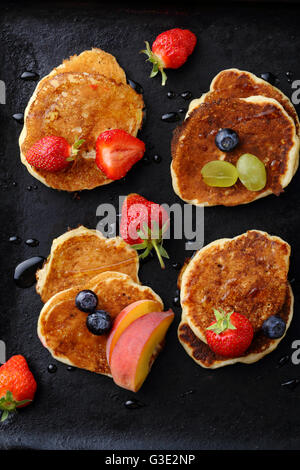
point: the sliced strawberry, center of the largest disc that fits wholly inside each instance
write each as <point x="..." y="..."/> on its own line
<point x="116" y="152"/>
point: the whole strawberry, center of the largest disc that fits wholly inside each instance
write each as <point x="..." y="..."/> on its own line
<point x="17" y="385"/>
<point x="143" y="224"/>
<point x="170" y="50"/>
<point x="230" y="335"/>
<point x="52" y="153"/>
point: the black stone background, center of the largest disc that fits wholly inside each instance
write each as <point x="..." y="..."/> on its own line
<point x="232" y="408"/>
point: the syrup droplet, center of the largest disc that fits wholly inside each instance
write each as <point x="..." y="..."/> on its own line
<point x="70" y="368"/>
<point x="291" y="384"/>
<point x="15" y="240"/>
<point x="136" y="86"/>
<point x="24" y="275"/>
<point x="146" y="160"/>
<point x="29" y="188"/>
<point x="268" y="77"/>
<point x="283" y="360"/>
<point x="52" y="368"/>
<point x="289" y="74"/>
<point x="157" y="158"/>
<point x="182" y="110"/>
<point x="27" y="75"/>
<point x="32" y="242"/>
<point x="171" y="94"/>
<point x="19" y="117"/>
<point x="186" y="95"/>
<point x="176" y="301"/>
<point x="176" y="266"/>
<point x="170" y="117"/>
<point x="133" y="404"/>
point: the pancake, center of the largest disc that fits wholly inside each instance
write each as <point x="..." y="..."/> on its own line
<point x="62" y="327"/>
<point x="93" y="61"/>
<point x="265" y="130"/>
<point x="81" y="254"/>
<point x="79" y="105"/>
<point x="239" y="274"/>
<point x="201" y="353"/>
<point x="235" y="83"/>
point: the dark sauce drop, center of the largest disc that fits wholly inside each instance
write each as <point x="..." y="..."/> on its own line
<point x="186" y="95"/>
<point x="19" y="117"/>
<point x="170" y="117"/>
<point x="291" y="384"/>
<point x="289" y="74"/>
<point x="176" y="266"/>
<point x="70" y="368"/>
<point x="24" y="275"/>
<point x="157" y="158"/>
<point x="52" y="368"/>
<point x="171" y="94"/>
<point x="182" y="110"/>
<point x="27" y="75"/>
<point x="133" y="404"/>
<point x="283" y="360"/>
<point x="146" y="160"/>
<point x="136" y="86"/>
<point x="32" y="242"/>
<point x="15" y="240"/>
<point x="29" y="188"/>
<point x="176" y="301"/>
<point x="268" y="77"/>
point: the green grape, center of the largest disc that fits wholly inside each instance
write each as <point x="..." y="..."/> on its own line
<point x="252" y="172"/>
<point x="219" y="173"/>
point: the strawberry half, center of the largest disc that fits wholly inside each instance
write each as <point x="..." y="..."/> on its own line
<point x="230" y="335"/>
<point x="170" y="50"/>
<point x="17" y="385"/>
<point x="143" y="224"/>
<point x="52" y="153"/>
<point x="116" y="152"/>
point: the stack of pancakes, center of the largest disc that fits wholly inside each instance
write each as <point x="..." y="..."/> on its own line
<point x="246" y="274"/>
<point x="81" y="98"/>
<point x="267" y="125"/>
<point x="84" y="259"/>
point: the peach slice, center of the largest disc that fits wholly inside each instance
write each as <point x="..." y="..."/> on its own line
<point x="136" y="348"/>
<point x="125" y="318"/>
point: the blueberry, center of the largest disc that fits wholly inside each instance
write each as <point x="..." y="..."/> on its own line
<point x="99" y="322"/>
<point x="274" y="327"/>
<point x="226" y="140"/>
<point x="86" y="301"/>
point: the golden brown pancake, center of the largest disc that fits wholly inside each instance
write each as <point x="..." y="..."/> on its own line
<point x="264" y="129"/>
<point x="93" y="61"/>
<point x="79" y="105"/>
<point x="79" y="255"/>
<point x="236" y="83"/>
<point x="62" y="327"/>
<point x="240" y="274"/>
<point x="201" y="353"/>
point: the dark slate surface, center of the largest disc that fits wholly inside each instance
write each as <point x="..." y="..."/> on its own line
<point x="235" y="407"/>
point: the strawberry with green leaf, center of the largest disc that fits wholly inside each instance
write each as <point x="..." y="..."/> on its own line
<point x="53" y="153"/>
<point x="230" y="335"/>
<point x="143" y="224"/>
<point x="17" y="385"/>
